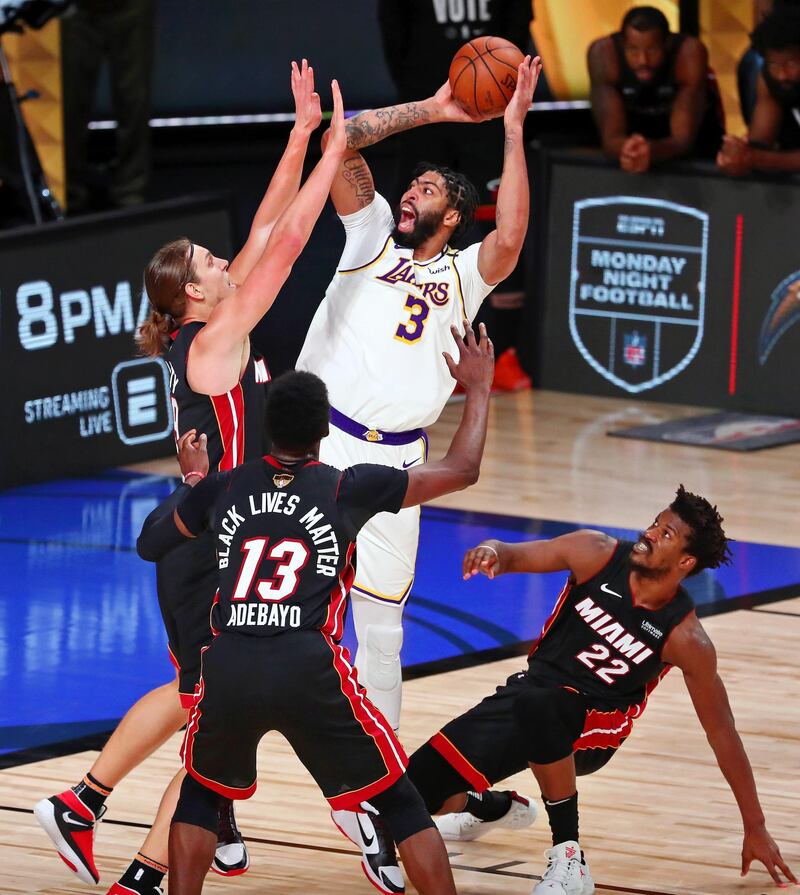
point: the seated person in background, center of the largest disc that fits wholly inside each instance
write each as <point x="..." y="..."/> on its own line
<point x="773" y="141"/>
<point x="749" y="67"/>
<point x="654" y="97"/>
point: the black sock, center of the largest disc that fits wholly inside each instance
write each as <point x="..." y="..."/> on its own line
<point x="143" y="875"/>
<point x="92" y="793"/>
<point x="488" y="805"/>
<point x="563" y="817"/>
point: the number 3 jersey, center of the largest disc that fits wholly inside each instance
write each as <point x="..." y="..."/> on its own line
<point x="285" y="539"/>
<point x="377" y="338"/>
<point x="598" y="642"/>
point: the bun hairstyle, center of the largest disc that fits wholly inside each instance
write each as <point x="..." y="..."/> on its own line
<point x="165" y="279"/>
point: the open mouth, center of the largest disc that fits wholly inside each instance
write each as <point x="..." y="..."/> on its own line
<point x="642" y="546"/>
<point x="408" y="218"/>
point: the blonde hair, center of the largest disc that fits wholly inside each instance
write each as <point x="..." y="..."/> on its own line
<point x="165" y="279"/>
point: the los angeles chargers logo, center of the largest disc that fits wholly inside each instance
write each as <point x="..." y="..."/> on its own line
<point x="784" y="311"/>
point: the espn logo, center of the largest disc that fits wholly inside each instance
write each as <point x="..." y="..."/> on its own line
<point x="141" y="400"/>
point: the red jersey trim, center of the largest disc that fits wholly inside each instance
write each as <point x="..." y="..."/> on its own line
<point x="334" y="621"/>
<point x="562" y="598"/>
<point x="229" y="411"/>
<point x="608" y="730"/>
<point x="459" y="762"/>
<point x="374" y="726"/>
<point x="230" y="792"/>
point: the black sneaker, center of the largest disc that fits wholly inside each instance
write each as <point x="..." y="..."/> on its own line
<point x="231" y="857"/>
<point x="378" y="857"/>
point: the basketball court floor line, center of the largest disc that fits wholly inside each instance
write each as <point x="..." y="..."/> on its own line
<point x="85" y="639"/>
<point x="501" y="870"/>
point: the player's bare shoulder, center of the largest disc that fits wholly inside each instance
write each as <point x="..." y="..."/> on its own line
<point x="588" y="551"/>
<point x="689" y="647"/>
<point x="603" y="61"/>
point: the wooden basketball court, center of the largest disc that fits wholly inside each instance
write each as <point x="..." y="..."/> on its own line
<point x="658" y="820"/>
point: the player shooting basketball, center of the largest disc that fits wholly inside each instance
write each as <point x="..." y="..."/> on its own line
<point x="378" y="336"/>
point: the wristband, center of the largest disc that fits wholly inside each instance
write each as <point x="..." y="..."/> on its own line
<point x="188" y="474"/>
<point x="488" y="547"/>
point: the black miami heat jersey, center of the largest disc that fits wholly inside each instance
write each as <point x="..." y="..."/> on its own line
<point x="234" y="421"/>
<point x="600" y="643"/>
<point x="285" y="539"/>
<point x="648" y="105"/>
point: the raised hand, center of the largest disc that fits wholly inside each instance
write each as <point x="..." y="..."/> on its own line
<point x="475" y="366"/>
<point x="447" y="109"/>
<point x="307" y="109"/>
<point x="527" y="78"/>
<point x="337" y="140"/>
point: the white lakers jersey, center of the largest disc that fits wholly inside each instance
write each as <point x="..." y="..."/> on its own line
<point x="378" y="336"/>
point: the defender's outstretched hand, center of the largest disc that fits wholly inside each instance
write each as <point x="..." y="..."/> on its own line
<point x="337" y="141"/>
<point x="475" y="367"/>
<point x="307" y="109"/>
<point x="527" y="78"/>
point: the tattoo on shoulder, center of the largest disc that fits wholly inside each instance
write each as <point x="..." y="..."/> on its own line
<point x="370" y="127"/>
<point x="356" y="173"/>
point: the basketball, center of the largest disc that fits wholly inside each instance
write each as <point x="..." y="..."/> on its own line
<point x="483" y="75"/>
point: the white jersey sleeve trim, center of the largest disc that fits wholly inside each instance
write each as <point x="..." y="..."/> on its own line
<point x="366" y="234"/>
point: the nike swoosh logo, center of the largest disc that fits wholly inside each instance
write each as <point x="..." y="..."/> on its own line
<point x="367" y="841"/>
<point x="71" y="818"/>
<point x="607" y="590"/>
<point x="406" y="465"/>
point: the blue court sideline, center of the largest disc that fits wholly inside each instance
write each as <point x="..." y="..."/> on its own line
<point x="81" y="635"/>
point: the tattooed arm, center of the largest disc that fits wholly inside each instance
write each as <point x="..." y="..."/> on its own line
<point x="500" y="250"/>
<point x="353" y="187"/>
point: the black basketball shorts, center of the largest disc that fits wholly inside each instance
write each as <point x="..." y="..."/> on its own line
<point x="486" y="744"/>
<point x="186" y="581"/>
<point x="301" y="684"/>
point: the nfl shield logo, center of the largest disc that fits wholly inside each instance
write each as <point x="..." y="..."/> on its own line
<point x="634" y="352"/>
<point x="637" y="290"/>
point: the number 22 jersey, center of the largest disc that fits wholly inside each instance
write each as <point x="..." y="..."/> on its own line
<point x="600" y="643"/>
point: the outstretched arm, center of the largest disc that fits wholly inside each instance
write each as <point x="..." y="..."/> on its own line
<point x="285" y="181"/>
<point x="690" y="649"/>
<point x="353" y="187"/>
<point x="460" y="466"/>
<point x="216" y="356"/>
<point x="583" y="553"/>
<point x="499" y="251"/>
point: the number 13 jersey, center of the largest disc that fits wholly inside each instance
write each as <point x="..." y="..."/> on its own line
<point x="285" y="539"/>
<point x="377" y="338"/>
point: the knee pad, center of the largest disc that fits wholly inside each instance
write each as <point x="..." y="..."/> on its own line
<point x="381" y="656"/>
<point x="551" y="719"/>
<point x="197" y="805"/>
<point x="403" y="810"/>
<point x="434" y="778"/>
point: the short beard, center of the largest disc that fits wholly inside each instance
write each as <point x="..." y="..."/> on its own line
<point x="645" y="571"/>
<point x="425" y="227"/>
